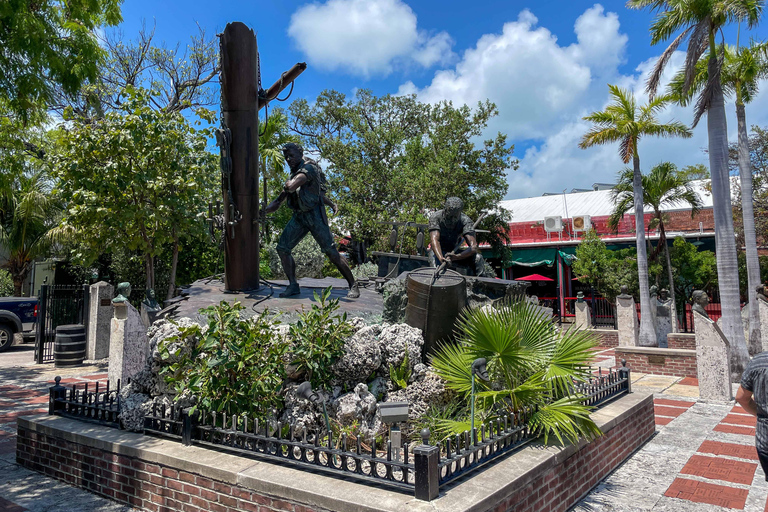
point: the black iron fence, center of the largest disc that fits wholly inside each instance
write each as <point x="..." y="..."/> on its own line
<point x="99" y="405"/>
<point x="420" y="469"/>
<point x="58" y="305"/>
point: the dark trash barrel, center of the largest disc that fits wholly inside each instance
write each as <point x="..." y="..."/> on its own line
<point x="434" y="308"/>
<point x="69" y="346"/>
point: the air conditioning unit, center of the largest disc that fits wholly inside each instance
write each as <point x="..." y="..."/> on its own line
<point x="553" y="224"/>
<point x="582" y="223"/>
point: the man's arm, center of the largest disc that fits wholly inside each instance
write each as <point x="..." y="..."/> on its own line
<point x="330" y="203"/>
<point x="469" y="252"/>
<point x="434" y="239"/>
<point x="746" y="400"/>
<point x="290" y="186"/>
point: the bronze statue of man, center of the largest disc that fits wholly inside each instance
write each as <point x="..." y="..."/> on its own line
<point x="446" y="228"/>
<point x="305" y="194"/>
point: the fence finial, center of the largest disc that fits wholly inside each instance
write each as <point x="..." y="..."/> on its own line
<point x="425" y="436"/>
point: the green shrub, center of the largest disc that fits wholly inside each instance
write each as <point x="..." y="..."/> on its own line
<point x="6" y="284"/>
<point x="364" y="270"/>
<point x="308" y="256"/>
<point x="318" y="339"/>
<point x="235" y="366"/>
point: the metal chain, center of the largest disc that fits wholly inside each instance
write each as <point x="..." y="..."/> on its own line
<point x="224" y="141"/>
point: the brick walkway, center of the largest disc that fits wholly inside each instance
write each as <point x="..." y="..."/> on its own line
<point x="25" y="391"/>
<point x="702" y="459"/>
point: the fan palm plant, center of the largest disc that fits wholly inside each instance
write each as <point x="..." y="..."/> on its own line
<point x="663" y="187"/>
<point x="699" y="21"/>
<point x="28" y="216"/>
<point x="530" y="364"/>
<point x="741" y="72"/>
<point x="625" y="122"/>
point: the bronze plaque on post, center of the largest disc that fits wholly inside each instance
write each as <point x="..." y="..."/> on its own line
<point x="105" y="302"/>
<point x="656" y="359"/>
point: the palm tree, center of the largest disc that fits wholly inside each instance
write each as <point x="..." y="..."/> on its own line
<point x="741" y="72"/>
<point x="699" y="21"/>
<point x="28" y="216"/>
<point x="624" y="121"/>
<point x="531" y="364"/>
<point x="663" y="187"/>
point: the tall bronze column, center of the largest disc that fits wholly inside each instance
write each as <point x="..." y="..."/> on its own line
<point x="240" y="179"/>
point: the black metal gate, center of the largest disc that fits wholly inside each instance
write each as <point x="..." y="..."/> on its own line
<point x="58" y="305"/>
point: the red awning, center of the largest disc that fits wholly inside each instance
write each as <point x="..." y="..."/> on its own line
<point x="534" y="277"/>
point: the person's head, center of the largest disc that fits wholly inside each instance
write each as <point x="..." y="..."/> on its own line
<point x="293" y="154"/>
<point x="700" y="297"/>
<point x="452" y="208"/>
<point x="663" y="294"/>
<point x="150" y="294"/>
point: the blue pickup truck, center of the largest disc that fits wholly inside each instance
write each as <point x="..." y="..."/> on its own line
<point x="17" y="314"/>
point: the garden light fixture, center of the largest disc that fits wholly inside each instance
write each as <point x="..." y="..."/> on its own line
<point x="305" y="391"/>
<point x="480" y="369"/>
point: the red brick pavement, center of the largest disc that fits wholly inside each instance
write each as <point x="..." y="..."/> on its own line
<point x="741" y="451"/>
<point x="716" y="468"/>
<point x="667" y="410"/>
<point x="703" y="492"/>
<point x="735" y="429"/>
<point x="689" y="381"/>
<point x="740" y="419"/>
<point x="673" y="403"/>
<point x="672" y="412"/>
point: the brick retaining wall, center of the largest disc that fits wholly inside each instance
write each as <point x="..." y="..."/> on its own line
<point x="565" y="484"/>
<point x="659" y="361"/>
<point x="681" y="340"/>
<point x="608" y="338"/>
<point x="161" y="475"/>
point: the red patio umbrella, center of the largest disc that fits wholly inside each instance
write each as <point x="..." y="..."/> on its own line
<point x="534" y="277"/>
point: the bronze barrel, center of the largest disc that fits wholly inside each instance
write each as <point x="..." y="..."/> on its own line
<point x="69" y="346"/>
<point x="434" y="306"/>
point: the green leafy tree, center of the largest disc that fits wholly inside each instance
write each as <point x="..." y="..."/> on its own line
<point x="395" y="158"/>
<point x="663" y="187"/>
<point x="48" y="44"/>
<point x="606" y="270"/>
<point x="625" y="122"/>
<point x="531" y="364"/>
<point x="740" y="74"/>
<point x="699" y="21"/>
<point x="28" y="217"/>
<point x="696" y="270"/>
<point x="133" y="179"/>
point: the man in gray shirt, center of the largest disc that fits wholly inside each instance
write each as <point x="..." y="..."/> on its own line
<point x="753" y="397"/>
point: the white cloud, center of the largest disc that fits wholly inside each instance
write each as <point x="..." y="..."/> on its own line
<point x="544" y="89"/>
<point x="365" y="37"/>
<point x="535" y="82"/>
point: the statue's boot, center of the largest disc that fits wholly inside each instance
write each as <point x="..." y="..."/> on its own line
<point x="354" y="291"/>
<point x="293" y="289"/>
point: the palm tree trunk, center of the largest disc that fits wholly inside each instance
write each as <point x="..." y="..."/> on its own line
<point x="750" y="239"/>
<point x="647" y="336"/>
<point x="725" y="243"/>
<point x="17" y="286"/>
<point x="174" y="265"/>
<point x="670" y="277"/>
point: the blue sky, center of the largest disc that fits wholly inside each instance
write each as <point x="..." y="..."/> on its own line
<point x="545" y="64"/>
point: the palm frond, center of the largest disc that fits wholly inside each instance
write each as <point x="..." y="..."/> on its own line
<point x="566" y="419"/>
<point x="652" y="84"/>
